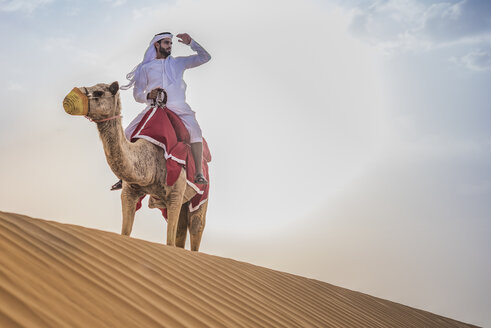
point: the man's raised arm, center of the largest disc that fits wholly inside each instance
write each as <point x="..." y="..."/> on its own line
<point x="200" y="58"/>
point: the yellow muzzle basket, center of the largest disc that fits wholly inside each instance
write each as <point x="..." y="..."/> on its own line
<point x="76" y="103"/>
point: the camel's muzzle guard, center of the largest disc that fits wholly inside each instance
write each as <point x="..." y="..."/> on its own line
<point x="76" y="103"/>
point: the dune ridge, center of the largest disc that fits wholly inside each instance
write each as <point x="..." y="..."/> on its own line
<point x="61" y="275"/>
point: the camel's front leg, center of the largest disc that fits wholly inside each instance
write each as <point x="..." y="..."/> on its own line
<point x="174" y="203"/>
<point x="129" y="199"/>
<point x="182" y="226"/>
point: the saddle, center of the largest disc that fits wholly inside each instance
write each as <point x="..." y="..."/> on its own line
<point x="164" y="128"/>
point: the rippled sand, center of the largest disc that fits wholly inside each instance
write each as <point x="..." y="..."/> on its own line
<point x="60" y="275"/>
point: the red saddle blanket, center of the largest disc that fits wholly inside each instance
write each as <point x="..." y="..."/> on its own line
<point x="164" y="128"/>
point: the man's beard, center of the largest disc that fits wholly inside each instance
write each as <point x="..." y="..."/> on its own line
<point x="164" y="52"/>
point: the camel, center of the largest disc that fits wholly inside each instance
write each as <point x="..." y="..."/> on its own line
<point x="141" y="166"/>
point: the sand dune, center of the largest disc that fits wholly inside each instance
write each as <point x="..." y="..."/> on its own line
<point x="60" y="275"/>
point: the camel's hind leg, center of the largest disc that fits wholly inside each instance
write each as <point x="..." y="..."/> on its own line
<point x="196" y="224"/>
<point x="129" y="199"/>
<point x="182" y="226"/>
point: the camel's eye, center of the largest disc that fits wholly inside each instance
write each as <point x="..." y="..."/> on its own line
<point x="98" y="93"/>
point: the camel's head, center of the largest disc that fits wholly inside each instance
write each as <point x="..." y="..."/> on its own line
<point x="97" y="102"/>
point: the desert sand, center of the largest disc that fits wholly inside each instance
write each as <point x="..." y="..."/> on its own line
<point x="61" y="275"/>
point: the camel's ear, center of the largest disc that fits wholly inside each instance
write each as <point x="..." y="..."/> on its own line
<point x="114" y="87"/>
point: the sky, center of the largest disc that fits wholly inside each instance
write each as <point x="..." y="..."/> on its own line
<point x="350" y="139"/>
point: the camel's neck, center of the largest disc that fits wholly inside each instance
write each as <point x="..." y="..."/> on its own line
<point x="116" y="148"/>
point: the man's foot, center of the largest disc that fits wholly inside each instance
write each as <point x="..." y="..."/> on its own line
<point x="200" y="179"/>
<point x="118" y="185"/>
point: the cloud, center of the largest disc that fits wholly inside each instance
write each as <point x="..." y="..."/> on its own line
<point x="22" y="5"/>
<point x="72" y="11"/>
<point x="14" y="86"/>
<point x="402" y="25"/>
<point x="116" y="3"/>
<point x="372" y="22"/>
<point x="143" y="12"/>
<point x="476" y="60"/>
<point x="446" y="22"/>
<point x="59" y="46"/>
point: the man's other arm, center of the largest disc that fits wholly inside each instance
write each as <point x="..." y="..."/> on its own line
<point x="139" y="90"/>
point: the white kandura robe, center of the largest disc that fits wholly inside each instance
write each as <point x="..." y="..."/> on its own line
<point x="167" y="74"/>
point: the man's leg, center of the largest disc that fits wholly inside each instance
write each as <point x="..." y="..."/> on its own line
<point x="195" y="134"/>
<point x="197" y="150"/>
<point x="133" y="124"/>
<point x="117" y="186"/>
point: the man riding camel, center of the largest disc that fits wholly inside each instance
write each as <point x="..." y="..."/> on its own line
<point x="160" y="71"/>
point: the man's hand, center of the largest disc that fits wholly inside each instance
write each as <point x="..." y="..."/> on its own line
<point x="184" y="38"/>
<point x="153" y="94"/>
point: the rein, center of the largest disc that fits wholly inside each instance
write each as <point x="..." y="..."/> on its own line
<point x="103" y="120"/>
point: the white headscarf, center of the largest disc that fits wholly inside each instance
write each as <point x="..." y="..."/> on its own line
<point x="150" y="54"/>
